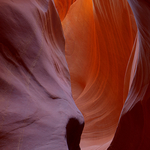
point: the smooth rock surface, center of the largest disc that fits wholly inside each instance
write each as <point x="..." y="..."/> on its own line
<point x="37" y="111"/>
<point x="106" y="45"/>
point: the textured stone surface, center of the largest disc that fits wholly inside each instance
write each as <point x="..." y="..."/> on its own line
<point x="108" y="57"/>
<point x="99" y="40"/>
<point x="36" y="104"/>
<point x="106" y="46"/>
<point x="133" y="131"/>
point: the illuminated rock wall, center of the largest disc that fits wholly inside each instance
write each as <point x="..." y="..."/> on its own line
<point x="107" y="52"/>
<point x="108" y="58"/>
<point x="133" y="128"/>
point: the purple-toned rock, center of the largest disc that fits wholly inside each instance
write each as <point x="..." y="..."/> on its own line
<point x="37" y="111"/>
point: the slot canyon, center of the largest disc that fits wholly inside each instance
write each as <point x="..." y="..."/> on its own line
<point x="74" y="74"/>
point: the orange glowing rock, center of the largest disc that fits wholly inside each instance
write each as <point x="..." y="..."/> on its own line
<point x="107" y="52"/>
<point x="63" y="7"/>
<point x="99" y="40"/>
<point x="133" y="128"/>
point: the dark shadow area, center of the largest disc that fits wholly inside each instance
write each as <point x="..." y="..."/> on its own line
<point x="73" y="134"/>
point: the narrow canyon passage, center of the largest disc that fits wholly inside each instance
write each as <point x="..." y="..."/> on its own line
<point x="107" y="51"/>
<point x="74" y="74"/>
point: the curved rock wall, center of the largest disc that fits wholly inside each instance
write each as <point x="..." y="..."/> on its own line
<point x="99" y="39"/>
<point x="107" y="52"/>
<point x="37" y="111"/>
<point x="133" y="128"/>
